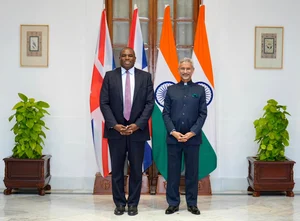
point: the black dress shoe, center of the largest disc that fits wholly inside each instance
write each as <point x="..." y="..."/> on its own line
<point x="119" y="210"/>
<point x="132" y="210"/>
<point x="194" y="210"/>
<point x="172" y="209"/>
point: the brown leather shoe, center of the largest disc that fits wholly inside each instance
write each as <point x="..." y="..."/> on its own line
<point x="172" y="209"/>
<point x="194" y="210"/>
<point x="132" y="210"/>
<point x="119" y="210"/>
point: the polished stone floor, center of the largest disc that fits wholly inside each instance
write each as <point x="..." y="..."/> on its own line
<point x="87" y="207"/>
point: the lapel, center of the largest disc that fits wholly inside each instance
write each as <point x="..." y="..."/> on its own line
<point x="137" y="83"/>
<point x="119" y="83"/>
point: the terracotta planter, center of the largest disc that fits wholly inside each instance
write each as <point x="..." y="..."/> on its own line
<point x="270" y="176"/>
<point x="27" y="173"/>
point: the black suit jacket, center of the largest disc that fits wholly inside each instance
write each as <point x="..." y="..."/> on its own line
<point x="111" y="104"/>
<point x="185" y="110"/>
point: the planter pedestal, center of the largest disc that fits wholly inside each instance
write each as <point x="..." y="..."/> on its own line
<point x="103" y="186"/>
<point x="270" y="176"/>
<point x="204" y="187"/>
<point x="27" y="173"/>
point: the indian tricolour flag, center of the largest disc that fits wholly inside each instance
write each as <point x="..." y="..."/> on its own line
<point x="103" y="62"/>
<point x="166" y="75"/>
<point x="203" y="75"/>
<point x="136" y="42"/>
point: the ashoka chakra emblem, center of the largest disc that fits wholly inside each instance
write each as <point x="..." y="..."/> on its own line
<point x="161" y="91"/>
<point x="208" y="91"/>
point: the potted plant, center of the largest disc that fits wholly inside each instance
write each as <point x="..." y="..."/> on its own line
<point x="270" y="169"/>
<point x="28" y="167"/>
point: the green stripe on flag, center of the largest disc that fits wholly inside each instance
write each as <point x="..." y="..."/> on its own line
<point x="207" y="158"/>
<point x="159" y="145"/>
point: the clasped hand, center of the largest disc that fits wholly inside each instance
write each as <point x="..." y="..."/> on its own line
<point x="182" y="137"/>
<point x="126" y="130"/>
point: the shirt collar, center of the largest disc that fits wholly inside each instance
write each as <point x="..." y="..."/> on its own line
<point x="131" y="70"/>
<point x="188" y="83"/>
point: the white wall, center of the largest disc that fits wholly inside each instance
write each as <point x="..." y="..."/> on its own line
<point x="242" y="91"/>
<point x="64" y="84"/>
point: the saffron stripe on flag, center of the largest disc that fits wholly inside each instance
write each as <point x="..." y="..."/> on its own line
<point x="204" y="76"/>
<point x="166" y="75"/>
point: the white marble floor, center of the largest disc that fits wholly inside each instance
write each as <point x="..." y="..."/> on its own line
<point x="87" y="207"/>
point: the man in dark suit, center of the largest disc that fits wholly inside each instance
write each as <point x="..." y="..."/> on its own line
<point x="126" y="102"/>
<point x="184" y="114"/>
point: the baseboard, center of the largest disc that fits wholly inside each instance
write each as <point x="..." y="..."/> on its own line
<point x="86" y="185"/>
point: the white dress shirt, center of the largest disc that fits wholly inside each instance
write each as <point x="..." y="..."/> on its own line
<point x="132" y="83"/>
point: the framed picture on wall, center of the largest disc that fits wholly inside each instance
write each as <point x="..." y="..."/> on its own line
<point x="268" y="47"/>
<point x="34" y="45"/>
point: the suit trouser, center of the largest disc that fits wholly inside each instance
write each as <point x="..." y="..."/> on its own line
<point x="118" y="149"/>
<point x="191" y="159"/>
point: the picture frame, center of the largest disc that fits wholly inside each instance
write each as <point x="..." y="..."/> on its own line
<point x="268" y="47"/>
<point x="34" y="45"/>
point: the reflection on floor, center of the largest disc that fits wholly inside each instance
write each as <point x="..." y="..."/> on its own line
<point x="87" y="207"/>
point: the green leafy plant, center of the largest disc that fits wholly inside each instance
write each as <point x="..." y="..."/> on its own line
<point x="29" y="126"/>
<point x="271" y="133"/>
